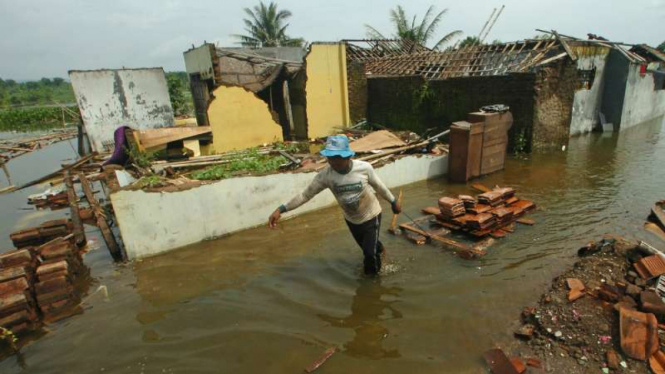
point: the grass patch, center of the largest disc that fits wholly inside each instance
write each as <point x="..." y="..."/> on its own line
<point x="248" y="163"/>
<point x="151" y="181"/>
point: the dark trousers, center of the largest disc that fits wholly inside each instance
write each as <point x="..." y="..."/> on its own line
<point x="366" y="235"/>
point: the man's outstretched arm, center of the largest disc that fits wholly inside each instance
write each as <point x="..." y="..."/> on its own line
<point x="312" y="190"/>
<point x="382" y="190"/>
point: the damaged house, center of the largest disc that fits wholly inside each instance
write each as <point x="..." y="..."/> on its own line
<point x="555" y="88"/>
<point x="254" y="96"/>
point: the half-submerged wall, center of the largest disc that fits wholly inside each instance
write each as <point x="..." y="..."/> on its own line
<point x="155" y="222"/>
<point x="645" y="96"/>
<point x="591" y="62"/>
<point x="411" y="103"/>
<point x="240" y="119"/>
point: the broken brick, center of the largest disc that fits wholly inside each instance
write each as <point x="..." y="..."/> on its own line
<point x="612" y="359"/>
<point x="518" y="365"/>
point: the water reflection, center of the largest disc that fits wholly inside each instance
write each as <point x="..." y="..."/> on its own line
<point x="368" y="314"/>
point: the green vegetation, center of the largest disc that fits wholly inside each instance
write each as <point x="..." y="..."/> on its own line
<point x="141" y="159"/>
<point x="42" y="92"/>
<point x="36" y="118"/>
<point x="181" y="96"/>
<point x="418" y="33"/>
<point x="520" y="143"/>
<point x="151" y="181"/>
<point x="266" y="28"/>
<point x="250" y="162"/>
<point x="661" y="47"/>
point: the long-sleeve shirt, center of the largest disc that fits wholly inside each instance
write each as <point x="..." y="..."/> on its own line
<point x="354" y="191"/>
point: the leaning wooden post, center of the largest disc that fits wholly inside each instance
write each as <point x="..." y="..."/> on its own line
<point x="79" y="234"/>
<point x="107" y="234"/>
<point x="393" y="222"/>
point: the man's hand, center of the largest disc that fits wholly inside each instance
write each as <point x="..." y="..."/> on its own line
<point x="397" y="207"/>
<point x="274" y="217"/>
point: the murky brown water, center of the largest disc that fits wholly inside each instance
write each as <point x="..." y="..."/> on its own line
<point x="273" y="301"/>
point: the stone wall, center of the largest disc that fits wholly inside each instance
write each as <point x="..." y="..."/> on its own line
<point x="357" y="83"/>
<point x="555" y="93"/>
<point x="409" y="103"/>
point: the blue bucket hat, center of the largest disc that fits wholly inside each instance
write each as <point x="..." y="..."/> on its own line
<point x="337" y="145"/>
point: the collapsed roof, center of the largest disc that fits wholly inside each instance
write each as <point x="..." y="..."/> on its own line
<point x="481" y="59"/>
<point x="251" y="71"/>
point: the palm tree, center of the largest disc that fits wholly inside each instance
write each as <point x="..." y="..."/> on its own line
<point x="265" y="28"/>
<point x="419" y="33"/>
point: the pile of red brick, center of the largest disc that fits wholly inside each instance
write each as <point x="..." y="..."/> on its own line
<point x="41" y="234"/>
<point x="492" y="212"/>
<point x="18" y="309"/>
<point x="37" y="284"/>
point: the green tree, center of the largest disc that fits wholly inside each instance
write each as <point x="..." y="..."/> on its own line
<point x="178" y="101"/>
<point x="662" y="46"/>
<point x="58" y="81"/>
<point x="420" y="33"/>
<point x="266" y="28"/>
<point x="468" y="41"/>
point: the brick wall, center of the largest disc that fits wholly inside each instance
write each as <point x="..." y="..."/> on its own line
<point x="555" y="93"/>
<point x="357" y="82"/>
<point x="411" y="104"/>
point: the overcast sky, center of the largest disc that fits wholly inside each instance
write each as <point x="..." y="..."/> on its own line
<point x="47" y="38"/>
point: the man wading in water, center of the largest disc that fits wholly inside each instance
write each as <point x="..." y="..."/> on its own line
<point x="350" y="181"/>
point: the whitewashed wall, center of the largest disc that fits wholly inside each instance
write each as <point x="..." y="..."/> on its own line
<point x="586" y="103"/>
<point x="642" y="102"/>
<point x="108" y="99"/>
<point x="154" y="222"/>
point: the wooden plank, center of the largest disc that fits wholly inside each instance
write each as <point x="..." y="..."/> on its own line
<point x="480" y="187"/>
<point x="393" y="222"/>
<point x="446" y="241"/>
<point x="56" y="173"/>
<point x="151" y="138"/>
<point x="565" y="45"/>
<point x="107" y="234"/>
<point x="376" y="140"/>
<point x="79" y="233"/>
<point x="526" y="221"/>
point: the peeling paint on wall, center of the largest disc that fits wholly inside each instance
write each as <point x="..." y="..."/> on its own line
<point x="108" y="99"/>
<point x="240" y="119"/>
<point x="587" y="102"/>
<point x="327" y="91"/>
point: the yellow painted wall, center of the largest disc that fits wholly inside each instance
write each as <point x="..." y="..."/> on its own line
<point x="239" y="119"/>
<point x="327" y="90"/>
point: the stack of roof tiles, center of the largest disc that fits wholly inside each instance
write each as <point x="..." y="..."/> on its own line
<point x="451" y="207"/>
<point x="60" y="264"/>
<point x="41" y="234"/>
<point x="492" y="198"/>
<point x="37" y="283"/>
<point x="482" y="221"/>
<point x="469" y="201"/>
<point x="18" y="310"/>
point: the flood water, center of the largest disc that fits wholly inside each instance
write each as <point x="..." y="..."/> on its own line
<point x="273" y="301"/>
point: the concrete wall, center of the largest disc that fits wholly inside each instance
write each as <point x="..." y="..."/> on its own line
<point x="587" y="101"/>
<point x="199" y="61"/>
<point x="151" y="223"/>
<point x="108" y="99"/>
<point x="615" y="77"/>
<point x="407" y="103"/>
<point x="327" y="91"/>
<point x="641" y="102"/>
<point x="239" y="119"/>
